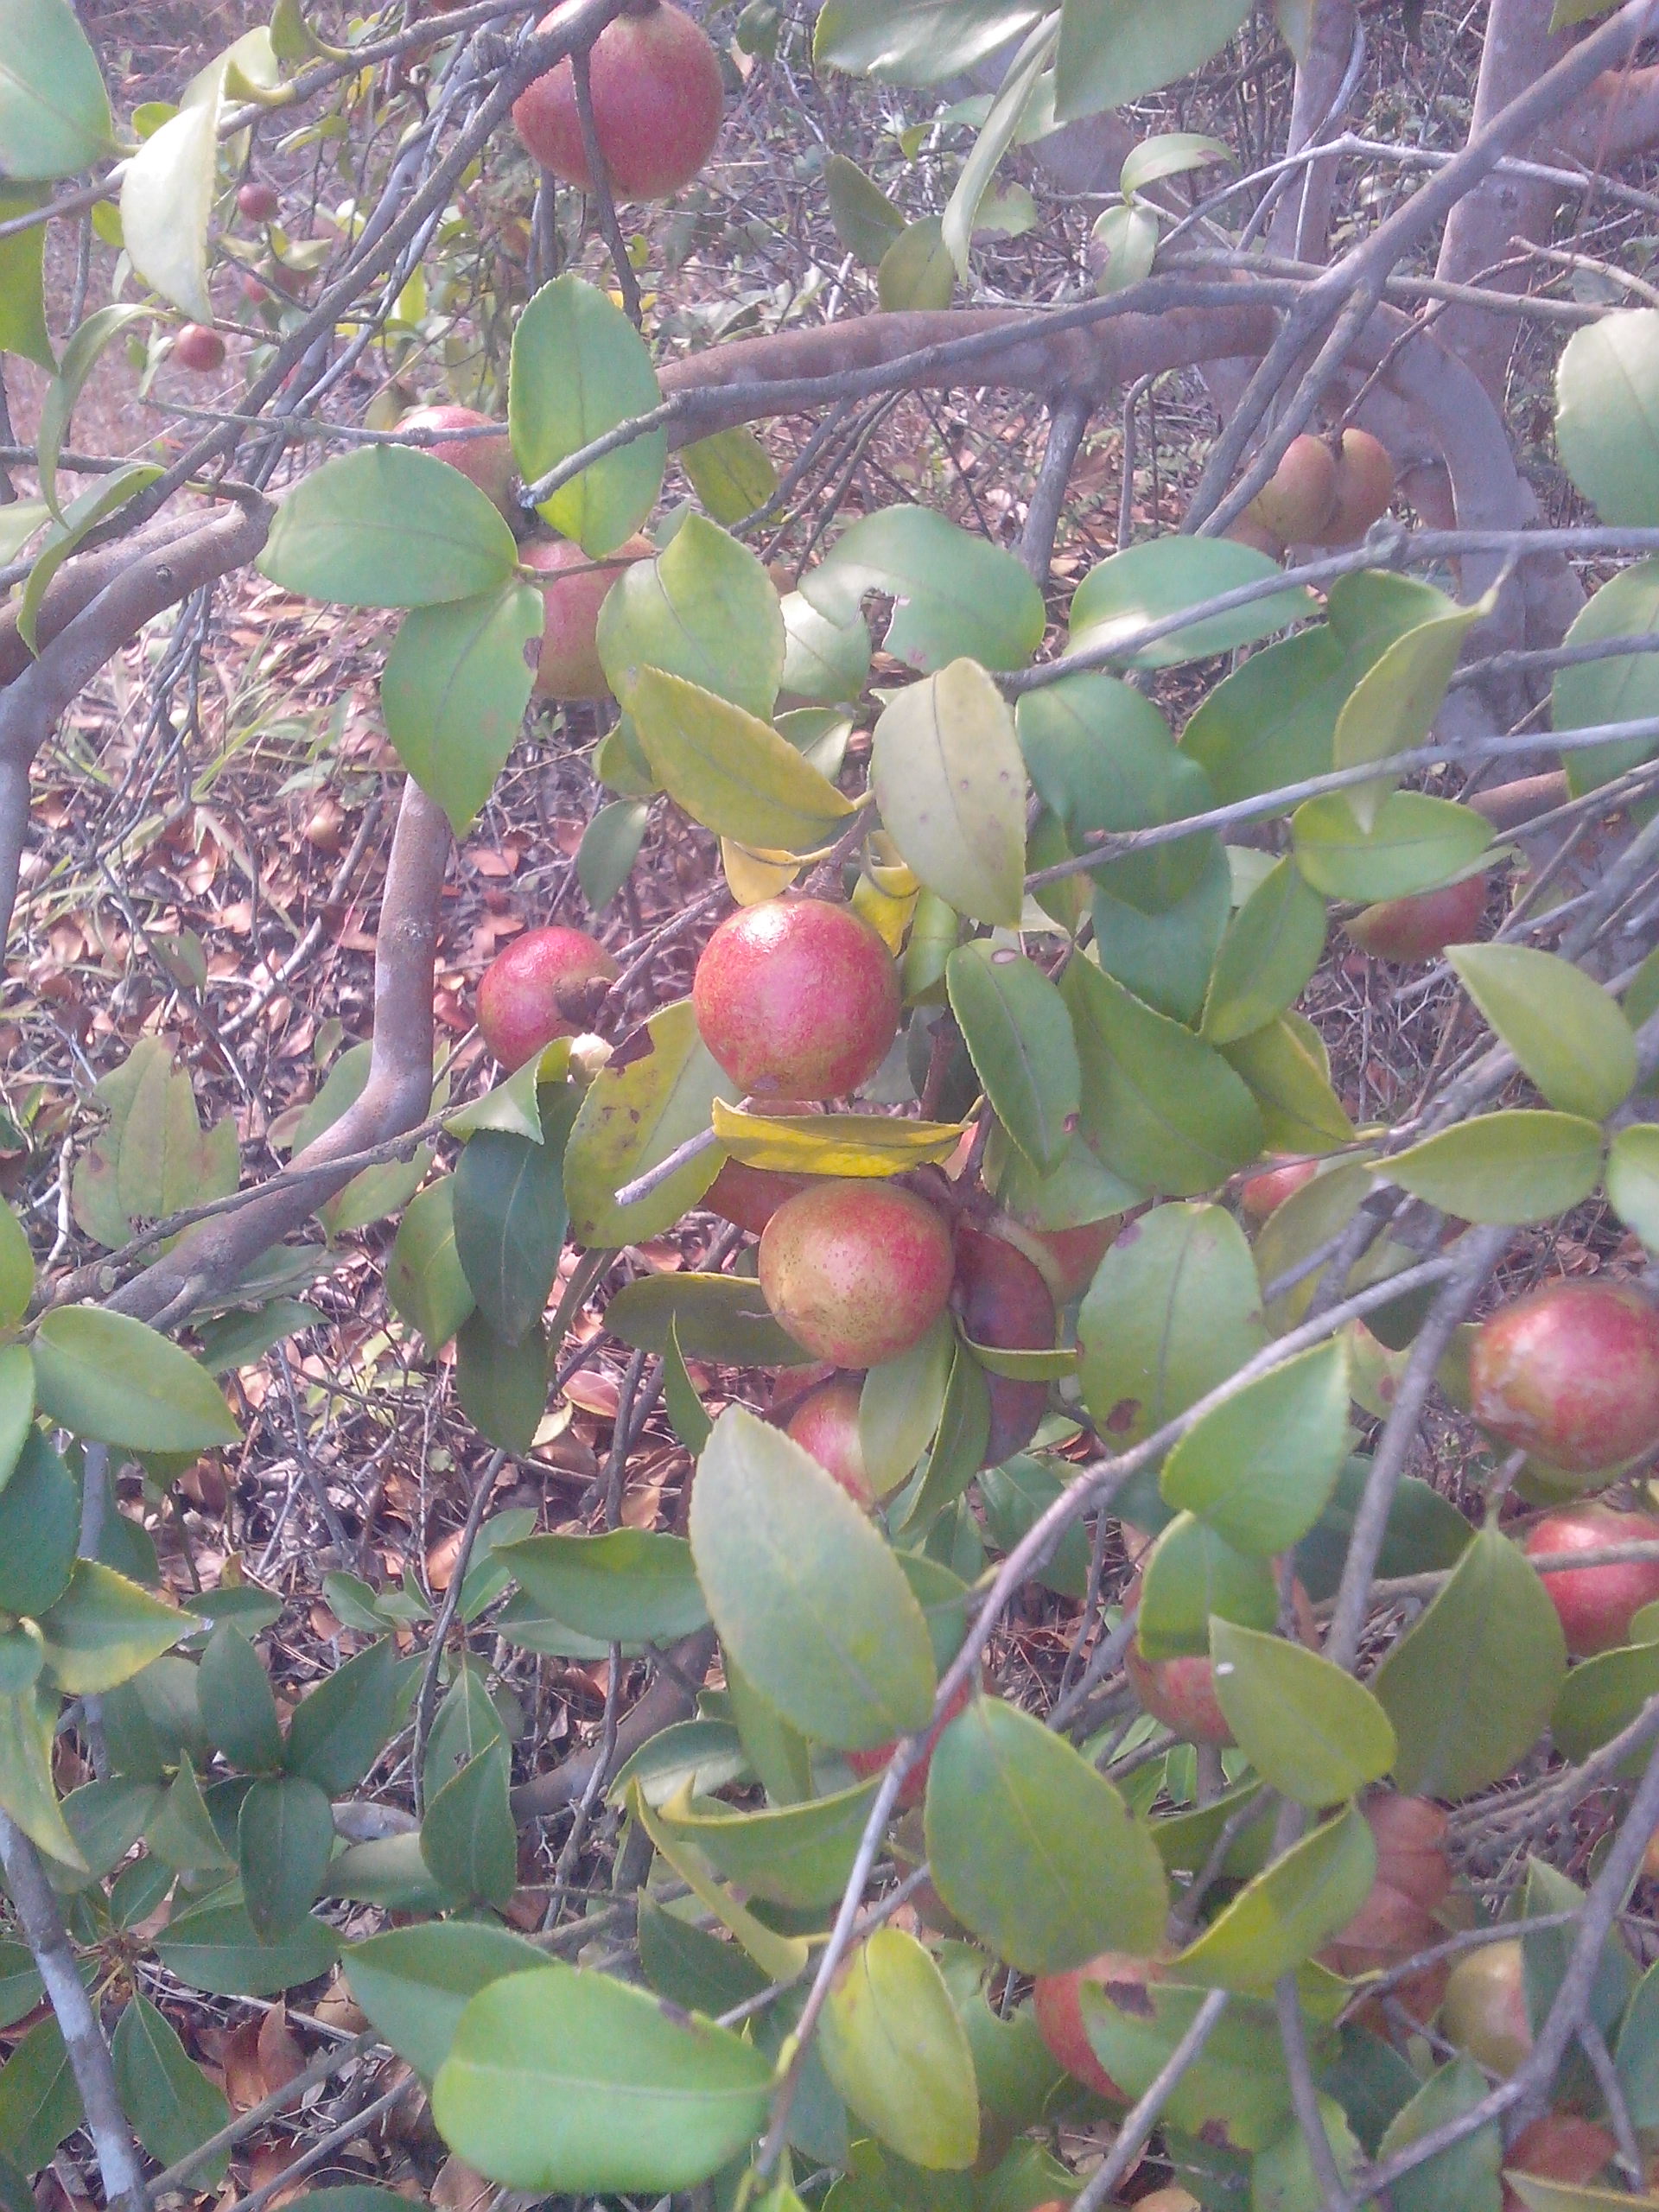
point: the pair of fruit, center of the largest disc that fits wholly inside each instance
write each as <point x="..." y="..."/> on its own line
<point x="1321" y="495"/>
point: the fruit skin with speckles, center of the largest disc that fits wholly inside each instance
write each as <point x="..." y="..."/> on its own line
<point x="826" y="1423"/>
<point x="797" y="998"/>
<point x="1421" y="927"/>
<point x="658" y="100"/>
<point x="857" y="1271"/>
<point x="1570" y="1375"/>
<point x="1003" y="1302"/>
<point x="486" y="462"/>
<point x="198" y="349"/>
<point x="1060" y="2012"/>
<point x="568" y="666"/>
<point x="546" y="984"/>
<point x="1264" y="1193"/>
<point x="1596" y="1604"/>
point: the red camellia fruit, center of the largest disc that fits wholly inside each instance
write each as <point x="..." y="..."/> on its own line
<point x="1058" y="2009"/>
<point x="657" y="101"/>
<point x="1485" y="2008"/>
<point x="198" y="349"/>
<point x="260" y="203"/>
<point x="1069" y="1256"/>
<point x="1003" y="1302"/>
<point x="486" y="462"/>
<point x="1571" y="1374"/>
<point x="797" y="998"/>
<point x="1420" y="927"/>
<point x="1181" y="1693"/>
<point x="826" y="1423"/>
<point x="857" y="1272"/>
<point x="913" y="1788"/>
<point x="1264" y="1193"/>
<point x="570" y="666"/>
<point x="1596" y="1604"/>
<point x="543" y="985"/>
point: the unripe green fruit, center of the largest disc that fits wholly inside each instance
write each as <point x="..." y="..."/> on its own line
<point x="568" y="666"/>
<point x="657" y="101"/>
<point x="1485" y="2008"/>
<point x="857" y="1271"/>
<point x="486" y="462"/>
<point x="1571" y="1376"/>
<point x="1298" y="498"/>
<point x="797" y="998"/>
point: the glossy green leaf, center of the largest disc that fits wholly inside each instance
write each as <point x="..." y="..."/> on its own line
<point x="653" y="1094"/>
<point x="799" y="1855"/>
<point x="957" y="595"/>
<point x="1307" y="1728"/>
<point x="340" y="1730"/>
<point x="574" y="2082"/>
<point x="1516" y="1166"/>
<point x="1282" y="2176"/>
<point x="1018" y="1032"/>
<point x="950" y="787"/>
<point x="1114" y="51"/>
<point x="730" y="771"/>
<point x="167" y="199"/>
<point x="387" y="526"/>
<point x="509" y="1218"/>
<point x="630" y="1586"/>
<point x="865" y="219"/>
<point x="715" y="1317"/>
<point x="1636" y="2053"/>
<point x="973" y="197"/>
<point x="1237" y="2091"/>
<point x="1416" y="843"/>
<point x="453" y="692"/>
<point x="1013" y="1497"/>
<point x="1602" y="1695"/>
<point x="1425" y="1532"/>
<point x="285" y="1836"/>
<point x="153" y="1158"/>
<point x="27" y="1793"/>
<point x="781" y="1958"/>
<point x="1261" y="1466"/>
<point x="1606" y="410"/>
<point x="691" y="1969"/>
<point x="1032" y="1850"/>
<point x="16" y="1270"/>
<point x="1392" y="707"/>
<point x="213" y="1946"/>
<point x="1624" y="688"/>
<point x="804" y="1593"/>
<point x="731" y="472"/>
<point x="893" y="2045"/>
<point x="1192" y="1576"/>
<point x="579" y="368"/>
<point x="54" y="113"/>
<point x="1267" y="957"/>
<point x="917" y="272"/>
<point x="1571" y="1037"/>
<point x="39" y="1526"/>
<point x="237" y="1709"/>
<point x="80" y="356"/>
<point x="916" y="41"/>
<point x="1279" y="1920"/>
<point x="1633" y="1180"/>
<point x="1164" y="957"/>
<point x="80" y="517"/>
<point x="823" y="660"/>
<point x="501" y="1388"/>
<point x="1466" y="2175"/>
<point x="1151" y="581"/>
<point x="181" y="1832"/>
<point x="468" y="1835"/>
<point x="112" y="1379"/>
<point x="610" y="845"/>
<point x="103" y="1629"/>
<point x="704" y="609"/>
<point x="426" y="1284"/>
<point x="1102" y="758"/>
<point x="1173" y="1310"/>
<point x="1471" y="1686"/>
<point x="957" y="1451"/>
<point x="899" y="1406"/>
<point x="1125" y="240"/>
<point x="414" y="1983"/>
<point x="1284" y="1070"/>
<point x="39" y="2101"/>
<point x="1161" y="1109"/>
<point x="17" y="1405"/>
<point x="173" y="2106"/>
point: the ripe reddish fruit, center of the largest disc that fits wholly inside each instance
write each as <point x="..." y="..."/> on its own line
<point x="1420" y="927"/>
<point x="198" y="349"/>
<point x="541" y="987"/>
<point x="1596" y="1604"/>
<point x="1364" y="487"/>
<point x="1571" y="1374"/>
<point x="857" y="1272"/>
<point x="252" y="288"/>
<point x="260" y="203"/>
<point x="1300" y="497"/>
<point x="1181" y="1693"/>
<point x="657" y="102"/>
<point x="826" y="1423"/>
<point x="570" y="666"/>
<point x="1485" y="2008"/>
<point x="1559" y="2147"/>
<point x="797" y="998"/>
<point x="486" y="462"/>
<point x="1003" y="1302"/>
<point x="1263" y="1194"/>
<point x="913" y="1788"/>
<point x="1055" y="2001"/>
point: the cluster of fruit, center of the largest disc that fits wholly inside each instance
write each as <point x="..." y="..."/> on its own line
<point x="1321" y="493"/>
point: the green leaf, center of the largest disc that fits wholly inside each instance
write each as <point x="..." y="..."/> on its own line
<point x="1032" y="1850"/>
<point x="468" y="1836"/>
<point x="631" y="1587"/>
<point x="153" y="1158"/>
<point x="865" y="219"/>
<point x="800" y="1855"/>
<point x="950" y="786"/>
<point x="167" y="203"/>
<point x="715" y="1317"/>
<point x="111" y="1380"/>
<point x="213" y="1946"/>
<point x="1173" y="153"/>
<point x="79" y="357"/>
<point x="1114" y="51"/>
<point x="16" y="1270"/>
<point x="899" y="1406"/>
<point x="1237" y="2091"/>
<point x="103" y="1629"/>
<point x="1164" y="957"/>
<point x="680" y="1400"/>
<point x="80" y="518"/>
<point x="387" y="526"/>
<point x="1126" y="238"/>
<point x="1516" y="1166"/>
<point x="973" y="201"/>
<point x="172" y="2104"/>
<point x="1173" y="1310"/>
<point x="341" y="1729"/>
<point x="731" y="472"/>
<point x="574" y="2082"/>
<point x="957" y="596"/>
<point x="1283" y="2178"/>
<point x="510" y="1217"/>
<point x="804" y="1593"/>
<point x="1160" y="1107"/>
<point x="1392" y="707"/>
<point x="695" y="1971"/>
<point x="39" y="2101"/>
<point x="21" y="1986"/>
<point x="893" y="2045"/>
<point x="958" y="1449"/>
<point x="1637" y="2051"/>
<point x="1624" y="687"/>
<point x="1306" y="1727"/>
<point x="916" y="271"/>
<point x="453" y="692"/>
<point x="1471" y="1686"/>
<point x="414" y="1983"/>
<point x="1277" y="1921"/>
<point x="916" y="41"/>
<point x="1633" y="1180"/>
<point x="1267" y="957"/>
<point x="1018" y="1032"/>
<point x="704" y="609"/>
<point x="1102" y="758"/>
<point x="181" y="1832"/>
<point x="1425" y="1532"/>
<point x="285" y="1836"/>
<point x="40" y="1527"/>
<point x="730" y="771"/>
<point x="653" y="1094"/>
<point x="1288" y="1074"/>
<point x="54" y="113"/>
<point x="1467" y="2175"/>
<point x="1602" y="1695"/>
<point x="823" y="660"/>
<point x="426" y="1284"/>
<point x="1159" y="578"/>
<point x="1416" y="844"/>
<point x="1570" y="1037"/>
<point x="1192" y="1576"/>
<point x="1607" y="414"/>
<point x="579" y="368"/>
<point x="610" y="845"/>
<point x="1013" y="1497"/>
<point x="27" y="1793"/>
<point x="501" y="1388"/>
<point x="17" y="1405"/>
<point x="237" y="1709"/>
<point x="1261" y="1466"/>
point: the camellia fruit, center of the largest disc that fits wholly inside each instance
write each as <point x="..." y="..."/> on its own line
<point x="1596" y="1604"/>
<point x="1300" y="497"/>
<point x="1421" y="927"/>
<point x="260" y="203"/>
<point x="857" y="1272"/>
<point x="826" y="1423"/>
<point x="658" y="100"/>
<point x="1004" y="1303"/>
<point x="545" y="985"/>
<point x="1265" y="1193"/>
<point x="568" y="666"/>
<point x="198" y="349"/>
<point x="913" y="1788"/>
<point x="797" y="998"/>
<point x="486" y="462"/>
<point x="1485" y="2008"/>
<point x="1364" y="487"/>
<point x="1570" y="1375"/>
<point x="1180" y="1693"/>
<point x="1058" y="2009"/>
